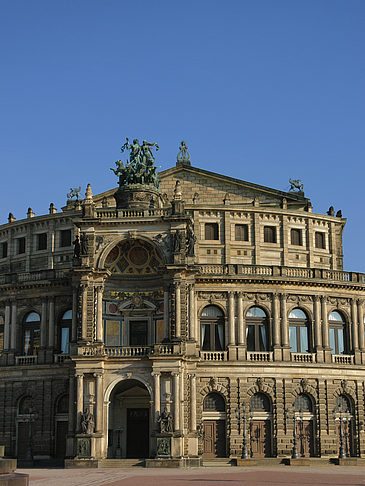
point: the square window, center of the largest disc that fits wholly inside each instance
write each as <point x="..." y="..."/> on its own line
<point x="208" y="252"/>
<point x="320" y="240"/>
<point x="270" y="234"/>
<point x="4" y="249"/>
<point x="296" y="237"/>
<point x="215" y="252"/>
<point x="238" y="252"/>
<point x="65" y="237"/>
<point x="211" y="231"/>
<point x="42" y="241"/>
<point x="241" y="232"/>
<point x="20" y="248"/>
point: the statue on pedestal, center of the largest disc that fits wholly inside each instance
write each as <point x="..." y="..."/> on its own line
<point x="87" y="422"/>
<point x="165" y="421"/>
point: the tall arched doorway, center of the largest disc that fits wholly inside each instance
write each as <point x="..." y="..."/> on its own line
<point x="303" y="410"/>
<point x="261" y="425"/>
<point x="214" y="426"/>
<point x="129" y="421"/>
<point x="344" y="418"/>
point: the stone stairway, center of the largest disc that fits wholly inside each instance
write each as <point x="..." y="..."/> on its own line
<point x="119" y="463"/>
<point x="217" y="462"/>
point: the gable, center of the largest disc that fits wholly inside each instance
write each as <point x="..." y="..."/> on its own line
<point x="204" y="187"/>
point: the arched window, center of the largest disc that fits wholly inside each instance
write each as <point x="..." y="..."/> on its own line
<point x="256" y="329"/>
<point x="214" y="402"/>
<point x="65" y="331"/>
<point x="303" y="403"/>
<point x="25" y="406"/>
<point x="260" y="403"/>
<point x="62" y="405"/>
<point x="343" y="404"/>
<point x="336" y="329"/>
<point x="212" y="329"/>
<point x="31" y="334"/>
<point x="299" y="335"/>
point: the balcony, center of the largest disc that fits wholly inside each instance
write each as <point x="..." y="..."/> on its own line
<point x="303" y="357"/>
<point x="132" y="213"/>
<point x="259" y="356"/>
<point x="26" y="360"/>
<point x="213" y="355"/>
<point x="347" y="359"/>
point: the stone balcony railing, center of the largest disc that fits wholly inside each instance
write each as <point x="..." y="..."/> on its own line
<point x="14" y="278"/>
<point x="132" y="213"/>
<point x="279" y="271"/>
<point x="213" y="355"/>
<point x="342" y="358"/>
<point x="303" y="357"/>
<point x="26" y="360"/>
<point x="259" y="356"/>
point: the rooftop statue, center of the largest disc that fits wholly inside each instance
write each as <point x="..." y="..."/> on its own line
<point x="296" y="184"/>
<point x="140" y="168"/>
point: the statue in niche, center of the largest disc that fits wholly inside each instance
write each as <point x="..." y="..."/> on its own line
<point x="77" y="247"/>
<point x="165" y="421"/>
<point x="87" y="422"/>
<point x="190" y="242"/>
<point x="177" y="241"/>
<point x="83" y="242"/>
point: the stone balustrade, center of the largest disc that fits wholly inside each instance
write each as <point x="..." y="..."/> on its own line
<point x="213" y="355"/>
<point x="303" y="357"/>
<point x="26" y="360"/>
<point x="342" y="359"/>
<point x="259" y="356"/>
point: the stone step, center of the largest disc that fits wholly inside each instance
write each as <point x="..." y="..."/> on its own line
<point x="217" y="462"/>
<point x="121" y="463"/>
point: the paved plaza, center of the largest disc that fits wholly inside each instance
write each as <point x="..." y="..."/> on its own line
<point x="273" y="476"/>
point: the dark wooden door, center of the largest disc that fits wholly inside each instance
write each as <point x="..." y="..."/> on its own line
<point x="137" y="432"/>
<point x="61" y="433"/>
<point x="214" y="438"/>
<point x="306" y="438"/>
<point x="23" y="440"/>
<point x="260" y="438"/>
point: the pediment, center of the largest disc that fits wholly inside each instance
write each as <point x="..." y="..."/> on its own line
<point x="200" y="186"/>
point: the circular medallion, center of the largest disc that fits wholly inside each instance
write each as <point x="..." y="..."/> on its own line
<point x="138" y="256"/>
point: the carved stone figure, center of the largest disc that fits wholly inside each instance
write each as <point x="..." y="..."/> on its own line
<point x="331" y="211"/>
<point x="177" y="241"/>
<point x="74" y="192"/>
<point x="296" y="184"/>
<point x="77" y="247"/>
<point x="339" y="214"/>
<point x="183" y="157"/>
<point x="87" y="422"/>
<point x="165" y="421"/>
<point x="190" y="242"/>
<point x="83" y="241"/>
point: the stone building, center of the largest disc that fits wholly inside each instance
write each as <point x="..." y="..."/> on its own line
<point x="202" y="317"/>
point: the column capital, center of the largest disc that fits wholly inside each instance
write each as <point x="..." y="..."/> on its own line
<point x="317" y="298"/>
<point x="175" y="373"/>
<point x="79" y="374"/>
<point x="192" y="376"/>
<point x="98" y="374"/>
<point x="324" y="299"/>
<point x="155" y="373"/>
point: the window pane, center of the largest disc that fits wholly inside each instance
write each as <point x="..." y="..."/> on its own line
<point x="36" y="340"/>
<point x="26" y="342"/>
<point x="65" y="238"/>
<point x="297" y="314"/>
<point x="212" y="311"/>
<point x="67" y="315"/>
<point x="296" y="237"/>
<point x="304" y="340"/>
<point x="219" y="337"/>
<point x="320" y="240"/>
<point x="293" y="339"/>
<point x="269" y="234"/>
<point x="255" y="312"/>
<point x="65" y="338"/>
<point x="335" y="316"/>
<point x="241" y="232"/>
<point x="206" y="337"/>
<point x="332" y="340"/>
<point x="211" y="231"/>
<point x="262" y="338"/>
<point x="33" y="317"/>
<point x="250" y="334"/>
<point x="341" y="341"/>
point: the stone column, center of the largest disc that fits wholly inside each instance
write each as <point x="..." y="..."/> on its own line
<point x="325" y="335"/>
<point x="192" y="312"/>
<point x="99" y="401"/>
<point x="99" y="319"/>
<point x="166" y="312"/>
<point x="355" y="332"/>
<point x="276" y="327"/>
<point x="157" y="391"/>
<point x="13" y="325"/>
<point x="284" y="329"/>
<point x="193" y="402"/>
<point x="74" y="314"/>
<point x="84" y="312"/>
<point x="232" y="353"/>
<point x="177" y="310"/>
<point x="317" y="329"/>
<point x="71" y="405"/>
<point x="80" y="397"/>
<point x="241" y="350"/>
<point x="176" y="401"/>
<point x="7" y="327"/>
<point x="51" y="323"/>
<point x="43" y="324"/>
<point x="360" y="317"/>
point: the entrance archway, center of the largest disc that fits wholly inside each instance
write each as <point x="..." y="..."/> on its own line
<point x="214" y="426"/>
<point x="303" y="409"/>
<point x="129" y="421"/>
<point x="260" y="426"/>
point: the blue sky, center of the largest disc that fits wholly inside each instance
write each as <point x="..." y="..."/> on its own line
<point x="260" y="90"/>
